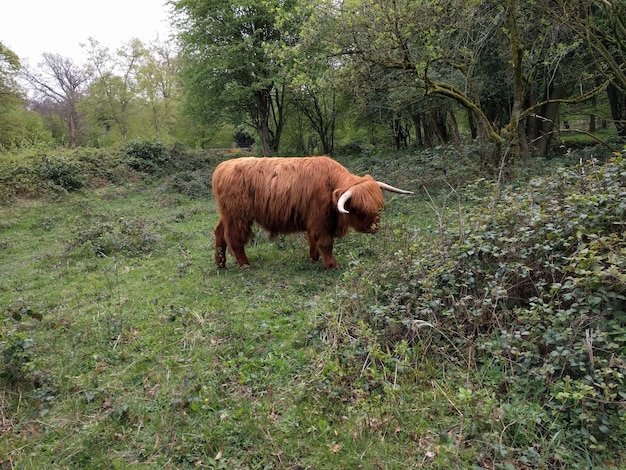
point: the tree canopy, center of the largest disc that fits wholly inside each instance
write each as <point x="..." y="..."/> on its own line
<point x="307" y="76"/>
<point x="229" y="72"/>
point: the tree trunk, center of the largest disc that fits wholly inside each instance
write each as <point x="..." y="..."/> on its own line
<point x="438" y="123"/>
<point x="592" y="116"/>
<point x="617" y="101"/>
<point x="417" y="124"/>
<point x="454" y="127"/>
<point x="472" y="124"/>
<point x="549" y="113"/>
<point x="400" y="134"/>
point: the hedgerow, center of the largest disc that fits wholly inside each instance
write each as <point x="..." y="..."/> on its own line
<point x="523" y="300"/>
<point x="47" y="175"/>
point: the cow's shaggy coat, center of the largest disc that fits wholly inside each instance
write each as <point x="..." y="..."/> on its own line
<point x="286" y="195"/>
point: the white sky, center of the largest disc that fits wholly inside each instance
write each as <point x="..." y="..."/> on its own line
<point x="31" y="27"/>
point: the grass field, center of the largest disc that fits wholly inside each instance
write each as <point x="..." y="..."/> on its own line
<point x="125" y="347"/>
<point x="146" y="355"/>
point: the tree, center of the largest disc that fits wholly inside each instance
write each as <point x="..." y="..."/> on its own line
<point x="157" y="78"/>
<point x="602" y="26"/>
<point x="10" y="96"/>
<point x="63" y="84"/>
<point x="415" y="41"/>
<point x="9" y="67"/>
<point x="227" y="69"/>
<point x="115" y="87"/>
<point x="506" y="62"/>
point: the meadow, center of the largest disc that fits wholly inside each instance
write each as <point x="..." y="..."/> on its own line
<point x="125" y="347"/>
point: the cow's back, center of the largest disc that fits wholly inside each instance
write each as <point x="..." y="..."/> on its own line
<point x="282" y="194"/>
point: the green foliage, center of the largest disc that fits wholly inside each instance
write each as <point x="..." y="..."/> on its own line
<point x="478" y="336"/>
<point x="229" y="74"/>
<point x="528" y="292"/>
<point x="63" y="172"/>
<point x="105" y="238"/>
<point x="43" y="175"/>
<point x="19" y="363"/>
<point x="243" y="138"/>
<point x="194" y="184"/>
<point x="146" y="157"/>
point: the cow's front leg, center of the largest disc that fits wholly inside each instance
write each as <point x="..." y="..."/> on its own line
<point x="325" y="245"/>
<point x="237" y="235"/>
<point x="314" y="253"/>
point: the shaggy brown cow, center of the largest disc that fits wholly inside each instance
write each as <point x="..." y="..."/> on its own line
<point x="315" y="195"/>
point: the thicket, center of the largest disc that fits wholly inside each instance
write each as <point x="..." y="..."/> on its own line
<point x="521" y="299"/>
<point x="46" y="175"/>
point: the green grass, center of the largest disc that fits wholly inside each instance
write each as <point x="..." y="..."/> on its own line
<point x="145" y="355"/>
<point x="149" y="356"/>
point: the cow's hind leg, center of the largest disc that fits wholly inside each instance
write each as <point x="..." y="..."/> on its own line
<point x="220" y="245"/>
<point x="237" y="235"/>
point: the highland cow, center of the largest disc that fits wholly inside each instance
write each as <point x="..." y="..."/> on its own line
<point x="315" y="195"/>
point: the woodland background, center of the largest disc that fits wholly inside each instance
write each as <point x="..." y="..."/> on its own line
<point x="317" y="77"/>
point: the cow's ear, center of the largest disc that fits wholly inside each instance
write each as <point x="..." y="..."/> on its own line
<point x="337" y="194"/>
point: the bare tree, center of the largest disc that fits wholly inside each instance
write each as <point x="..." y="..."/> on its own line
<point x="61" y="81"/>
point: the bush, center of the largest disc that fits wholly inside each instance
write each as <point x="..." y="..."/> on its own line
<point x="540" y="282"/>
<point x="243" y="139"/>
<point x="528" y="298"/>
<point x="16" y="348"/>
<point x="109" y="238"/>
<point x="146" y="157"/>
<point x="63" y="172"/>
<point x="193" y="184"/>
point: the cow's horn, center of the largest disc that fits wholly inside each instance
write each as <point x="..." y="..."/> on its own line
<point x="388" y="187"/>
<point x="342" y="201"/>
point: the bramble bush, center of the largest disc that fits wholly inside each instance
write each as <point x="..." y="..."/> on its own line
<point x="16" y="348"/>
<point x="146" y="157"/>
<point x="106" y="237"/>
<point x="63" y="172"/>
<point x="525" y="298"/>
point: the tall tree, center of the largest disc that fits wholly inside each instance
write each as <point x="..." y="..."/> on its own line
<point x="58" y="80"/>
<point x="601" y="25"/>
<point x="10" y="95"/>
<point x="416" y="41"/>
<point x="439" y="48"/>
<point x="115" y="88"/>
<point x="9" y="67"/>
<point x="157" y="77"/>
<point x="228" y="71"/>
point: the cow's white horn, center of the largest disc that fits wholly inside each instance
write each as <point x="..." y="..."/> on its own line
<point x="388" y="187"/>
<point x="342" y="201"/>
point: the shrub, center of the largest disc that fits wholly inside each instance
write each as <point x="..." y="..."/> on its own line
<point x="194" y="184"/>
<point x="108" y="238"/>
<point x="243" y="138"/>
<point x="18" y="359"/>
<point x="146" y="157"/>
<point x="63" y="172"/>
<point x="528" y="297"/>
<point x="540" y="282"/>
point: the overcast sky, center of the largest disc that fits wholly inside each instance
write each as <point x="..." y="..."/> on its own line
<point x="31" y="27"/>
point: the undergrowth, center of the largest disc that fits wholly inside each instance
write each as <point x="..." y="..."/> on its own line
<point x="520" y="301"/>
<point x="482" y="327"/>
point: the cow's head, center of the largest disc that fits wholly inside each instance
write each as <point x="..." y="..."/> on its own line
<point x="362" y="203"/>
